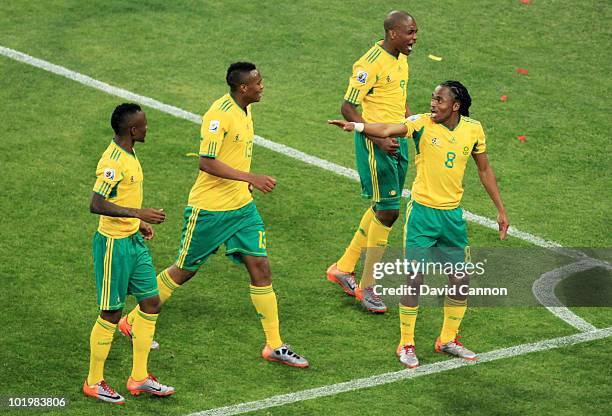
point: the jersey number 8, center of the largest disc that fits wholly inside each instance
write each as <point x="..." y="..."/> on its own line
<point x="450" y="159"/>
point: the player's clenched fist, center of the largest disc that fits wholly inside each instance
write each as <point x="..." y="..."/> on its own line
<point x="152" y="215"/>
<point x="264" y="183"/>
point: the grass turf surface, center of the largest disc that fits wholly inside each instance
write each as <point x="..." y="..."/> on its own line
<point x="55" y="130"/>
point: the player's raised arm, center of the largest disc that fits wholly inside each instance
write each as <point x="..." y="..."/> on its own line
<point x="372" y="129"/>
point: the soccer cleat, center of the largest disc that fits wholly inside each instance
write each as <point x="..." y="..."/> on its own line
<point x="370" y="300"/>
<point x="455" y="348"/>
<point x="103" y="391"/>
<point x="284" y="355"/>
<point x="345" y="280"/>
<point x="149" y="385"/>
<point x="407" y="355"/>
<point x="126" y="329"/>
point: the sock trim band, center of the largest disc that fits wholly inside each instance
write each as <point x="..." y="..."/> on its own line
<point x="167" y="280"/>
<point x="148" y="316"/>
<point x="106" y="325"/>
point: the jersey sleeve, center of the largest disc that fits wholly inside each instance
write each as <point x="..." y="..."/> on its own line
<point x="215" y="125"/>
<point x="108" y="174"/>
<point x="361" y="81"/>
<point x="414" y="124"/>
<point x="480" y="146"/>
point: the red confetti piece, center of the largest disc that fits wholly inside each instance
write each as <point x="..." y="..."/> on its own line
<point x="522" y="139"/>
<point x="504" y="98"/>
<point x="525" y="1"/>
<point x="522" y="71"/>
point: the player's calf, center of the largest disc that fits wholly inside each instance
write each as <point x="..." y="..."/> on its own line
<point x="126" y="330"/>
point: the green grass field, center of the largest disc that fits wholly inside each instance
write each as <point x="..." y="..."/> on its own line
<point x="554" y="185"/>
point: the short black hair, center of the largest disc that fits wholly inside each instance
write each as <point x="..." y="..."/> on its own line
<point x="394" y="18"/>
<point x="461" y="94"/>
<point x="237" y="74"/>
<point x="121" y="115"/>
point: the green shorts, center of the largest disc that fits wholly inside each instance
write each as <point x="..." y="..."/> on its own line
<point x="241" y="230"/>
<point x="382" y="176"/>
<point x="122" y="266"/>
<point x="442" y="232"/>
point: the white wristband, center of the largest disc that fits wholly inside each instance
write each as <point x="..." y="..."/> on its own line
<point x="359" y="127"/>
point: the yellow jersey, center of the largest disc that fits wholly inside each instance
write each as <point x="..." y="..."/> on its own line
<point x="227" y="135"/>
<point x="441" y="158"/>
<point x="119" y="180"/>
<point x="379" y="83"/>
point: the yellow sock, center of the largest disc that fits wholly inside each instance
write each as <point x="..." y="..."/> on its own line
<point x="349" y="259"/>
<point x="453" y="314"/>
<point x="264" y="300"/>
<point x="166" y="287"/>
<point x="99" y="343"/>
<point x="408" y="316"/>
<point x="378" y="234"/>
<point x="142" y="336"/>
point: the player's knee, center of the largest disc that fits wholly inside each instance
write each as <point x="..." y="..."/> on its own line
<point x="388" y="216"/>
<point x="461" y="283"/>
<point x="260" y="272"/>
<point x="415" y="280"/>
<point x="264" y="268"/>
<point x="459" y="280"/>
<point x="151" y="305"/>
<point x="111" y="316"/>
<point x="180" y="276"/>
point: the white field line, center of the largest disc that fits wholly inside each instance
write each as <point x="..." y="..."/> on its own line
<point x="277" y="147"/>
<point x="386" y="378"/>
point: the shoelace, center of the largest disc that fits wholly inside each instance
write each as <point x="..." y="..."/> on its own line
<point x="456" y="341"/>
<point x="107" y="388"/>
<point x="157" y="383"/>
<point x="288" y="351"/>
<point x="408" y="348"/>
<point x="373" y="295"/>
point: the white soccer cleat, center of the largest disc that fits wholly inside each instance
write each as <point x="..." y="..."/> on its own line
<point x="455" y="348"/>
<point x="104" y="392"/>
<point x="407" y="355"/>
<point x="149" y="385"/>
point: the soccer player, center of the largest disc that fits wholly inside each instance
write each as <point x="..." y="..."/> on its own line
<point x="122" y="261"/>
<point x="444" y="140"/>
<point x="379" y="83"/>
<point x="221" y="209"/>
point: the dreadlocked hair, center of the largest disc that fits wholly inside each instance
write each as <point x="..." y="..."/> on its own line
<point x="461" y="94"/>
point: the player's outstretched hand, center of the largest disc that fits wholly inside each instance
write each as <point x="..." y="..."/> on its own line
<point x="146" y="230"/>
<point x="502" y="221"/>
<point x="344" y="125"/>
<point x="264" y="183"/>
<point x="389" y="145"/>
<point x="152" y="215"/>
